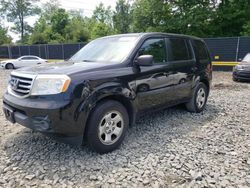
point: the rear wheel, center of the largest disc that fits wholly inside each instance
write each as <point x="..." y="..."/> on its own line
<point x="199" y="99"/>
<point x="107" y="126"/>
<point x="9" y="66"/>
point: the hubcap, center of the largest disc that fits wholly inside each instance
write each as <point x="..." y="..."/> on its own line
<point x="201" y="98"/>
<point x="111" y="127"/>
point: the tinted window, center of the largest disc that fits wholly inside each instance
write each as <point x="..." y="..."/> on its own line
<point x="24" y="58"/>
<point x="29" y="58"/>
<point x="33" y="58"/>
<point x="201" y="51"/>
<point x="156" y="48"/>
<point x="178" y="49"/>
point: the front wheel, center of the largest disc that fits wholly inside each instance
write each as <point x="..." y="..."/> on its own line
<point x="107" y="126"/>
<point x="235" y="79"/>
<point x="9" y="66"/>
<point x="199" y="99"/>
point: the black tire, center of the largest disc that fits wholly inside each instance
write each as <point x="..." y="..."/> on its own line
<point x="94" y="138"/>
<point x="9" y="66"/>
<point x="236" y="80"/>
<point x="193" y="105"/>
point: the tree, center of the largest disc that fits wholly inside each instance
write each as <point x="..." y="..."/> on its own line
<point x="16" y="11"/>
<point x="77" y="30"/>
<point x="41" y="32"/>
<point x="232" y="18"/>
<point x="4" y="37"/>
<point x="59" y="21"/>
<point x="101" y="23"/>
<point x="150" y="15"/>
<point x="192" y="17"/>
<point x="48" y="8"/>
<point x="246" y="29"/>
<point x="60" y="26"/>
<point x="122" y="17"/>
<point x="102" y="14"/>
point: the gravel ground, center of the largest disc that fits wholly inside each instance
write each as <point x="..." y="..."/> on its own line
<point x="171" y="148"/>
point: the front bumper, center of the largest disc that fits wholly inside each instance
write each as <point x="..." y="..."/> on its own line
<point x="53" y="117"/>
<point x="242" y="75"/>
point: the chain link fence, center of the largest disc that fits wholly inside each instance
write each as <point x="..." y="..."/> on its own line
<point x="45" y="51"/>
<point x="228" y="49"/>
<point x="231" y="49"/>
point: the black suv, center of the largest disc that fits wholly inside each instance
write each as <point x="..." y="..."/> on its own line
<point x="105" y="86"/>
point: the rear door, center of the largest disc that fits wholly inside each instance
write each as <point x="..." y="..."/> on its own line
<point x="184" y="66"/>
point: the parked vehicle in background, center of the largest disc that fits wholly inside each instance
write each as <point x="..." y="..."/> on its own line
<point x="111" y="81"/>
<point x="241" y="71"/>
<point x="24" y="61"/>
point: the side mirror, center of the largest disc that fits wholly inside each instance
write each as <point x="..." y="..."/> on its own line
<point x="145" y="60"/>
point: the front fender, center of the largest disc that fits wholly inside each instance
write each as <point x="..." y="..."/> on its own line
<point x="92" y="97"/>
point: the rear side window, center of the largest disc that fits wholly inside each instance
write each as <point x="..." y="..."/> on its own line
<point x="178" y="49"/>
<point x="29" y="58"/>
<point x="154" y="47"/>
<point x="201" y="50"/>
<point x="33" y="58"/>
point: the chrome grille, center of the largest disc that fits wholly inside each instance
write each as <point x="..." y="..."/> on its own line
<point x="20" y="84"/>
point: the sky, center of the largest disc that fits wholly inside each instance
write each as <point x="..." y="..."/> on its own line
<point x="87" y="6"/>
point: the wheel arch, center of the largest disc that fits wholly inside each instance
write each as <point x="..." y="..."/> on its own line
<point x="207" y="83"/>
<point x="9" y="63"/>
<point x="126" y="102"/>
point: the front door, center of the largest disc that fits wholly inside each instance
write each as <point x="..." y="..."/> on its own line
<point x="154" y="83"/>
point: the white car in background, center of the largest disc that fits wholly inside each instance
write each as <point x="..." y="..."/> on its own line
<point x="24" y="61"/>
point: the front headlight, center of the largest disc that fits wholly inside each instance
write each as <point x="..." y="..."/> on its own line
<point x="239" y="67"/>
<point x="50" y="84"/>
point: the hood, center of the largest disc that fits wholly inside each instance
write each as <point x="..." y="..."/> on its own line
<point x="245" y="63"/>
<point x="63" y="68"/>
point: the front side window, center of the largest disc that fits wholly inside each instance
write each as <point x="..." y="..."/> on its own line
<point x="178" y="49"/>
<point x="106" y="50"/>
<point x="154" y="47"/>
<point x="25" y="58"/>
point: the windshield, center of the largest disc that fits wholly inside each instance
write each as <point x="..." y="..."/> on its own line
<point x="106" y="50"/>
<point x="246" y="58"/>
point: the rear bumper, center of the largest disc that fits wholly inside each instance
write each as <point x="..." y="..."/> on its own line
<point x="47" y="116"/>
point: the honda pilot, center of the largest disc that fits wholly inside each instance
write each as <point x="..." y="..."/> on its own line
<point x="94" y="96"/>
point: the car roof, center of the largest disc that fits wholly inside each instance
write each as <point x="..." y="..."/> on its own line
<point x="148" y="34"/>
